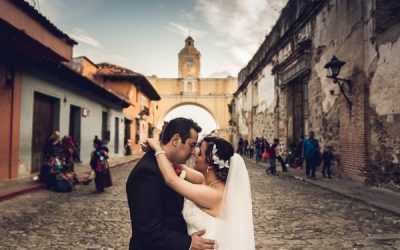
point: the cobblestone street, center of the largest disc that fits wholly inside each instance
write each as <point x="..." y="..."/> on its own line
<point x="289" y="214"/>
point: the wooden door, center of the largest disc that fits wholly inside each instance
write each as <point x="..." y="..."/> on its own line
<point x="43" y="117"/>
<point x="116" y="136"/>
<point x="75" y="123"/>
<point x="298" y="116"/>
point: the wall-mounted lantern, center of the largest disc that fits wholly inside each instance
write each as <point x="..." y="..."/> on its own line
<point x="85" y="112"/>
<point x="232" y="123"/>
<point x="333" y="67"/>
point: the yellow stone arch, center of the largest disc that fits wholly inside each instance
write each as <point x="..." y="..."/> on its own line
<point x="210" y="94"/>
<point x="162" y="116"/>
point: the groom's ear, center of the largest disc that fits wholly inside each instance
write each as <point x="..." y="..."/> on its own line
<point x="175" y="140"/>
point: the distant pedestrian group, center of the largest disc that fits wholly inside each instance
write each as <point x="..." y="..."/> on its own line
<point x="306" y="150"/>
<point x="58" y="170"/>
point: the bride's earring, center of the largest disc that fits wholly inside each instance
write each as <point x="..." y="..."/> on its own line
<point x="208" y="169"/>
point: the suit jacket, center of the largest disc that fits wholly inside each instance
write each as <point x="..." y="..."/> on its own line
<point x="155" y="209"/>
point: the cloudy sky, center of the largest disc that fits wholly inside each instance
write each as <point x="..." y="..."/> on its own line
<point x="147" y="35"/>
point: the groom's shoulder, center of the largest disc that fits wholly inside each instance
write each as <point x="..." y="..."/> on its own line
<point x="147" y="163"/>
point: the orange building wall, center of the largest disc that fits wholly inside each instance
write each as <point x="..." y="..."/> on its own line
<point x="19" y="19"/>
<point x="88" y="69"/>
<point x="121" y="88"/>
<point x="129" y="90"/>
<point x="9" y="127"/>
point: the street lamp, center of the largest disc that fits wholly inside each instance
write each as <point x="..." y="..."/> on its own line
<point x="333" y="67"/>
<point x="232" y="123"/>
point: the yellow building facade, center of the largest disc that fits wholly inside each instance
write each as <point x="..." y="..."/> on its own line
<point x="211" y="94"/>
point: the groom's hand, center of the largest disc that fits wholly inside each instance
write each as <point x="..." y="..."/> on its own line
<point x="198" y="243"/>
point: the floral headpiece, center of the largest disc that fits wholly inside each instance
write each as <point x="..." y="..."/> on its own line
<point x="217" y="160"/>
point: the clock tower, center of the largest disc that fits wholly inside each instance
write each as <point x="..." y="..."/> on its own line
<point x="189" y="60"/>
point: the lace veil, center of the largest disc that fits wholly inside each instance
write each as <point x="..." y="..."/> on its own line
<point x="235" y="225"/>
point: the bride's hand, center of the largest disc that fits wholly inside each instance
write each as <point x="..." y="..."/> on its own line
<point x="154" y="144"/>
<point x="144" y="146"/>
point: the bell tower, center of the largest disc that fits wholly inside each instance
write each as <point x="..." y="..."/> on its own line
<point x="189" y="60"/>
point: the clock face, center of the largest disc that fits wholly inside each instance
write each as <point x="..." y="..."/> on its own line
<point x="189" y="62"/>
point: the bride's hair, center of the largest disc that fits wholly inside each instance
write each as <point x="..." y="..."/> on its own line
<point x="218" y="153"/>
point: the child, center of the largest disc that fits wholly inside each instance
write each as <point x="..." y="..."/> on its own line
<point x="327" y="157"/>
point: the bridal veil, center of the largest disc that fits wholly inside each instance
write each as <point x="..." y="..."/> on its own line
<point x="235" y="225"/>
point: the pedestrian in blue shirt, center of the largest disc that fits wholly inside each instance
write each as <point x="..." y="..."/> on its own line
<point x="311" y="154"/>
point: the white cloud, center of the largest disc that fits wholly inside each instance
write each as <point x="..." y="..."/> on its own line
<point x="84" y="37"/>
<point x="241" y="24"/>
<point x="185" y="15"/>
<point x="184" y="30"/>
<point x="55" y="11"/>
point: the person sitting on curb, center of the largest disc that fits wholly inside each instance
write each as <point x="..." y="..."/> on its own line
<point x="51" y="173"/>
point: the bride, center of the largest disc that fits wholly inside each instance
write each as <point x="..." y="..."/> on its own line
<point x="218" y="197"/>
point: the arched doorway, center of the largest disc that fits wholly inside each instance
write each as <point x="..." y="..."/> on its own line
<point x="198" y="114"/>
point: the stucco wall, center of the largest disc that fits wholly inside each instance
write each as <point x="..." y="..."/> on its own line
<point x="384" y="103"/>
<point x="263" y="105"/>
<point x="364" y="34"/>
<point x="90" y="126"/>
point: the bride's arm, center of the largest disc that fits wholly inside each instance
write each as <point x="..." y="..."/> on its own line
<point x="202" y="195"/>
<point x="192" y="175"/>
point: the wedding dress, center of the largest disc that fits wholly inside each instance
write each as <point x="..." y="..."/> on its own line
<point x="196" y="220"/>
<point x="233" y="228"/>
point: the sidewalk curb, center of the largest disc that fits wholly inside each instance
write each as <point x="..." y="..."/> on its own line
<point x="10" y="195"/>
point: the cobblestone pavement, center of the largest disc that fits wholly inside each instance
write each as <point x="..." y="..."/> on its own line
<point x="289" y="214"/>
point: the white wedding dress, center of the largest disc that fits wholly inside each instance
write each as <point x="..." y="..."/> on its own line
<point x="233" y="228"/>
<point x="197" y="220"/>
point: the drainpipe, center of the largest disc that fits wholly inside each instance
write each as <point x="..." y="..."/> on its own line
<point x="10" y="79"/>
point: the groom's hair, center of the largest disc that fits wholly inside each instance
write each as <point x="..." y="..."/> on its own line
<point x="179" y="126"/>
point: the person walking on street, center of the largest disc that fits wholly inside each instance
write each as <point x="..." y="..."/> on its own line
<point x="327" y="157"/>
<point x="251" y="149"/>
<point x="240" y="149"/>
<point x="299" y="163"/>
<point x="272" y="158"/>
<point x="246" y="148"/>
<point x="258" y="148"/>
<point x="311" y="155"/>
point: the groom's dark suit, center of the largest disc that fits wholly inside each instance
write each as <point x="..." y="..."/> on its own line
<point x="156" y="218"/>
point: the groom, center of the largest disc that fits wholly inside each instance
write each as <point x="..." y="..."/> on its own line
<point x="156" y="218"/>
